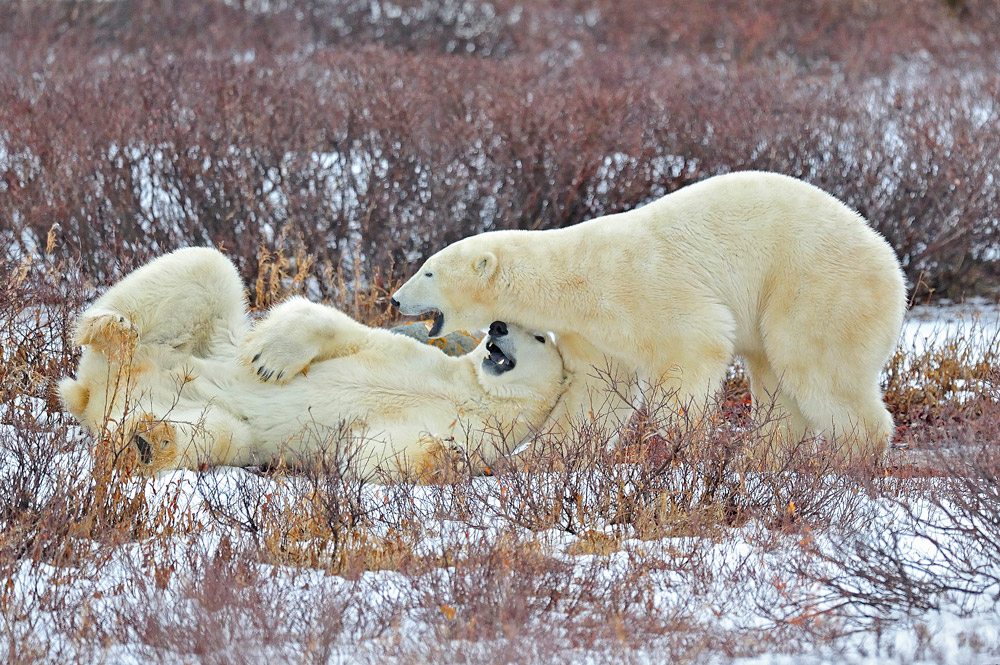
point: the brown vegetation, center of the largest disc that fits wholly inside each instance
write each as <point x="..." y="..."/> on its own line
<point x="367" y="137"/>
<point x="571" y="544"/>
<point x="329" y="146"/>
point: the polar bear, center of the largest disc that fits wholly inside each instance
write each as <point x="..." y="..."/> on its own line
<point x="751" y="264"/>
<point x="162" y="380"/>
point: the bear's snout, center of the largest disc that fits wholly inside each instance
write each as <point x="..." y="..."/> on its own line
<point x="145" y="450"/>
<point x="394" y="302"/>
<point x="498" y="329"/>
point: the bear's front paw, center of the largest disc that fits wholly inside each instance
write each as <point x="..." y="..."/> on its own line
<point x="274" y="353"/>
<point x="111" y="334"/>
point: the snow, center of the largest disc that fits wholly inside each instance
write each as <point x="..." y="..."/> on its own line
<point x="929" y="326"/>
<point x="386" y="606"/>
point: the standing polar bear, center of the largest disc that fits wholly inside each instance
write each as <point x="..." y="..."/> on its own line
<point x="750" y="264"/>
<point x="164" y="377"/>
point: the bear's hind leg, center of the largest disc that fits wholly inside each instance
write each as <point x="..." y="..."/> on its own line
<point x="186" y="300"/>
<point x="832" y="373"/>
<point x="858" y="425"/>
<point x="781" y="421"/>
<point x="828" y="337"/>
<point x="196" y="303"/>
<point x="74" y="396"/>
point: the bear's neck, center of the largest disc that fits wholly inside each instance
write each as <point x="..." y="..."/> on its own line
<point x="544" y="278"/>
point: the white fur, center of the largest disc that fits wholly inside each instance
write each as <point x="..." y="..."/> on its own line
<point x="163" y="362"/>
<point x="751" y="264"/>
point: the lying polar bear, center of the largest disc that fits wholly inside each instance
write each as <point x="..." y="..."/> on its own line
<point x="162" y="375"/>
<point x="756" y="265"/>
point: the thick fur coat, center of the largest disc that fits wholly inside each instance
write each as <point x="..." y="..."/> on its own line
<point x="173" y="373"/>
<point x="756" y="265"/>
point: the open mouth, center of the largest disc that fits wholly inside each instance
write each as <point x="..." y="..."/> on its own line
<point x="437" y="324"/>
<point x="144" y="448"/>
<point x="497" y="362"/>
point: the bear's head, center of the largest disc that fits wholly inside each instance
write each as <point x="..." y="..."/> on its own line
<point x="117" y="403"/>
<point x="518" y="363"/>
<point x="455" y="285"/>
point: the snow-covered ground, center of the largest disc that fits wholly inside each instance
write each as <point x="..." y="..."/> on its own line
<point x="930" y="325"/>
<point x="716" y="598"/>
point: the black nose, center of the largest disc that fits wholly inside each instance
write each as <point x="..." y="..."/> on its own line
<point x="498" y="329"/>
<point x="394" y="302"/>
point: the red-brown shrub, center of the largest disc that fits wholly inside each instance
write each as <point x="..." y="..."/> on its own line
<point x="367" y="141"/>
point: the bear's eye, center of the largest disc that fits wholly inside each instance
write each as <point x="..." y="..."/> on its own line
<point x="540" y="338"/>
<point x="428" y="274"/>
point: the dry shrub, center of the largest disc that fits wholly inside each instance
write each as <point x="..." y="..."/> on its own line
<point x="649" y="513"/>
<point x="673" y="476"/>
<point x="64" y="509"/>
<point x="501" y="596"/>
<point x="928" y="539"/>
<point x="500" y="583"/>
<point x="370" y="157"/>
<point x="37" y="437"/>
<point x="943" y="388"/>
<point x="328" y="147"/>
<point x="863" y="35"/>
<point x="224" y="607"/>
<point x="322" y="514"/>
<point x="920" y="547"/>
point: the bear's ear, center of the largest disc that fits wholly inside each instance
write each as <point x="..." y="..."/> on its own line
<point x="485" y="264"/>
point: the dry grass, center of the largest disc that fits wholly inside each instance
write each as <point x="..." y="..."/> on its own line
<point x="330" y="146"/>
<point x="569" y="545"/>
<point x="234" y="127"/>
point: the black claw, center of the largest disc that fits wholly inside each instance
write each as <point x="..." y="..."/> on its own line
<point x="255" y="358"/>
<point x="269" y="375"/>
<point x="281" y="374"/>
<point x="260" y="372"/>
